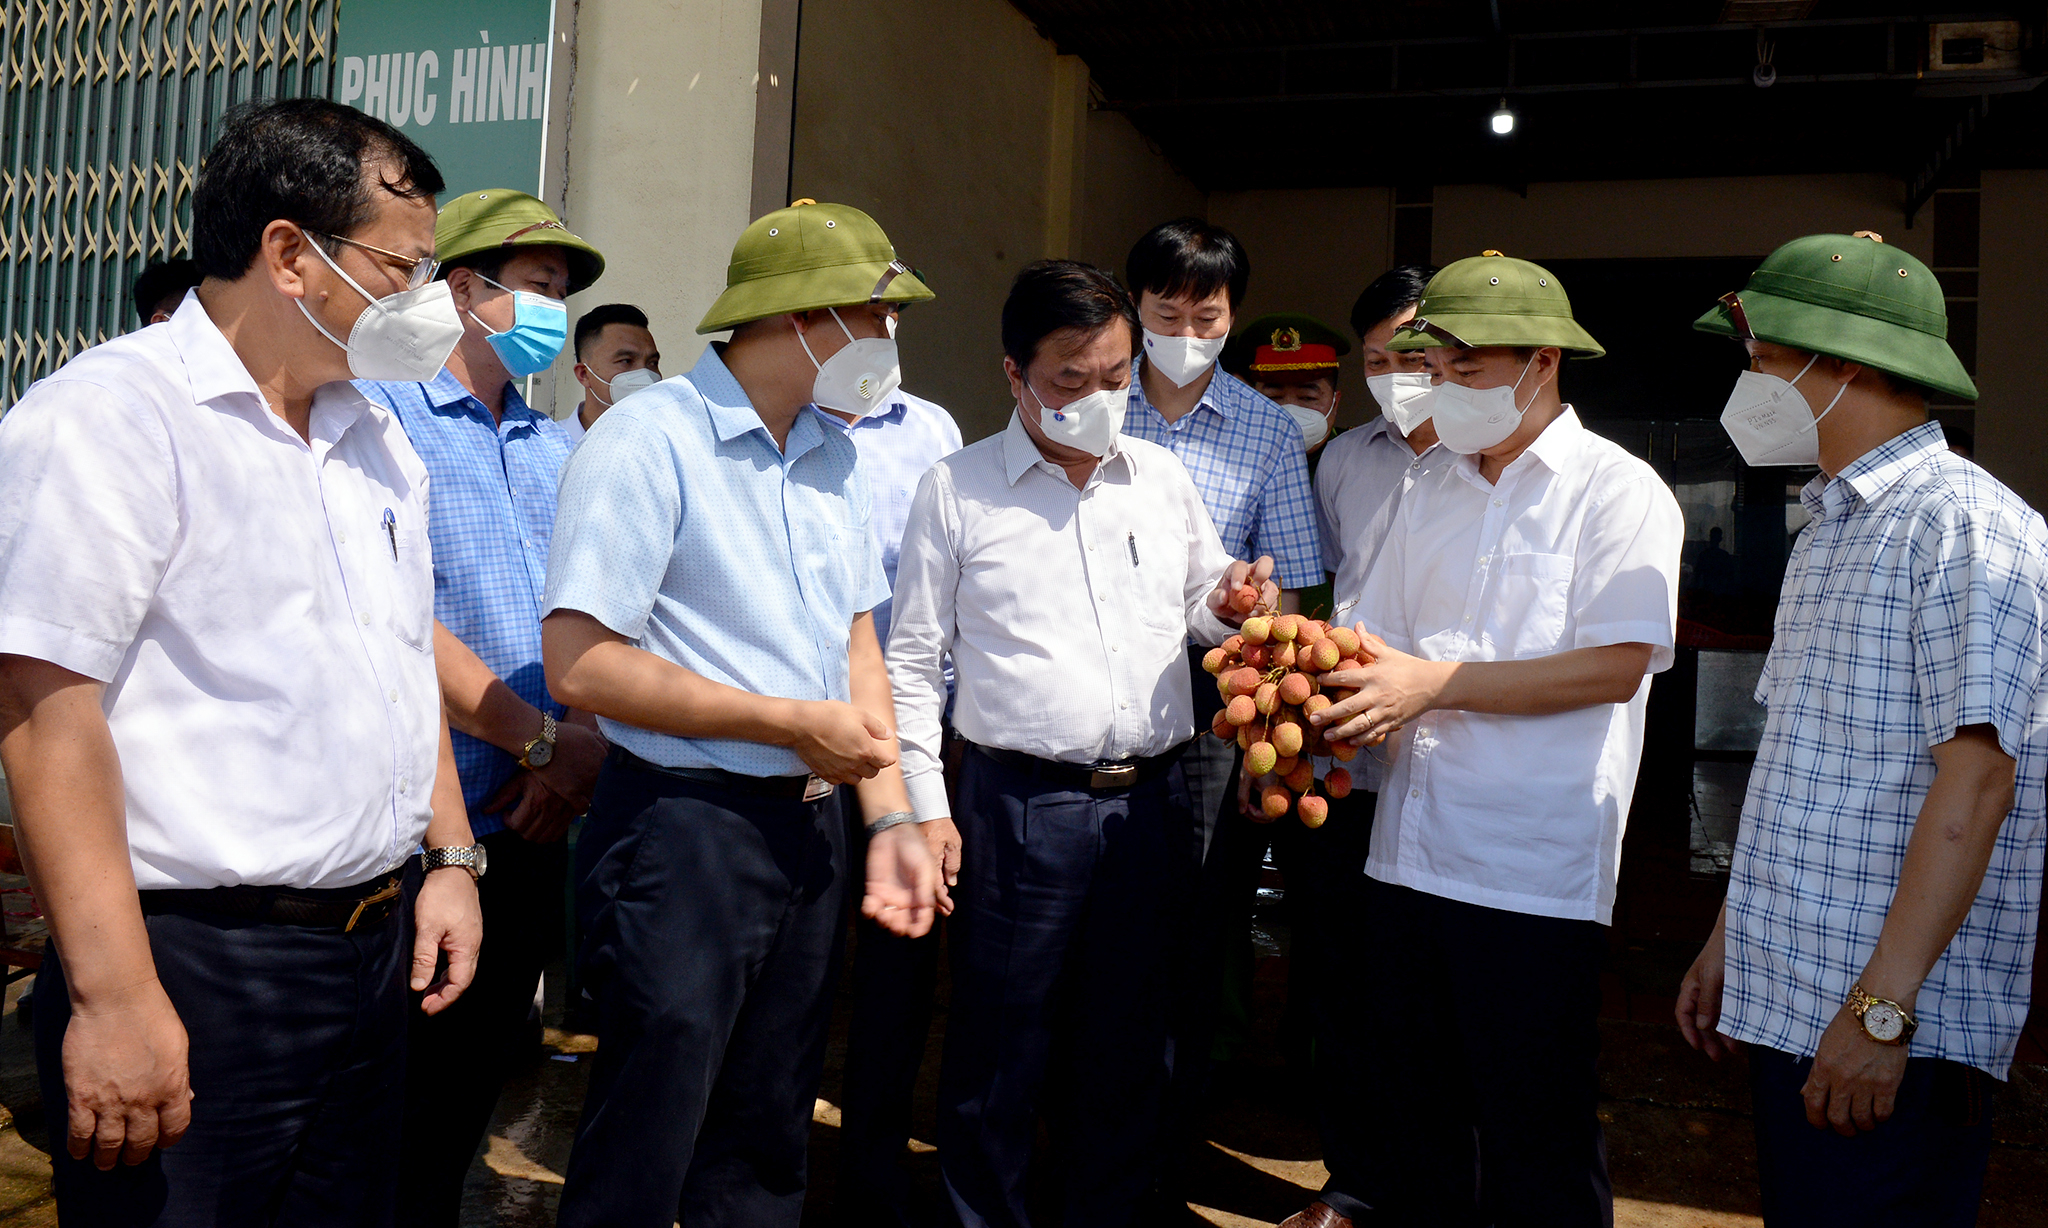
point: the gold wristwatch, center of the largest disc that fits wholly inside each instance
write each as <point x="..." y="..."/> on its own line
<point x="540" y="751"/>
<point x="1883" y="1020"/>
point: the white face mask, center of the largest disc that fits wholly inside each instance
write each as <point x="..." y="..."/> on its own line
<point x="1771" y="422"/>
<point x="1181" y="359"/>
<point x="861" y="378"/>
<point x="405" y="337"/>
<point x="1088" y="423"/>
<point x="626" y="383"/>
<point x="1315" y="427"/>
<point x="1404" y="397"/>
<point x="1471" y="420"/>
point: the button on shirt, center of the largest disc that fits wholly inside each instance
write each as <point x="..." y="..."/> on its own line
<point x="684" y="529"/>
<point x="1245" y="456"/>
<point x="1066" y="610"/>
<point x="896" y="448"/>
<point x="1575" y="547"/>
<point x="266" y="642"/>
<point x="1359" y="481"/>
<point x="1914" y="604"/>
<point x="492" y="519"/>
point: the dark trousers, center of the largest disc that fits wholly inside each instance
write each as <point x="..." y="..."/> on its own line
<point x="711" y="920"/>
<point x="1471" y="1090"/>
<point x="894" y="980"/>
<point x="458" y="1059"/>
<point x="1922" y="1166"/>
<point x="297" y="1058"/>
<point x="1323" y="871"/>
<point x="1061" y="964"/>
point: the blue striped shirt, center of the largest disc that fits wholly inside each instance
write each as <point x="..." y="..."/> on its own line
<point x="1246" y="458"/>
<point x="489" y="522"/>
<point x="687" y="531"/>
<point x="1914" y="605"/>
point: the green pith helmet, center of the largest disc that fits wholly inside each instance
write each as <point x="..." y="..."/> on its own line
<point x="806" y="257"/>
<point x="1851" y="297"/>
<point x="1491" y="299"/>
<point x="500" y="217"/>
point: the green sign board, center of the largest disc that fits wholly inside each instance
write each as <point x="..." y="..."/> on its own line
<point x="467" y="79"/>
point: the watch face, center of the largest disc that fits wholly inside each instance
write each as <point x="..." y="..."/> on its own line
<point x="1883" y="1022"/>
<point x="478" y="860"/>
<point x="541" y="754"/>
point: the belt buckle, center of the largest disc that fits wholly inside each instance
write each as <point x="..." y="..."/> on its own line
<point x="363" y="905"/>
<point x="817" y="789"/>
<point x="1114" y="776"/>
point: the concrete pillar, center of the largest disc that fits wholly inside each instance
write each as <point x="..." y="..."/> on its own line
<point x="659" y="137"/>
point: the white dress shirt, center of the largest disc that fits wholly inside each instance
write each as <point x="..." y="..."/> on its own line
<point x="1066" y="610"/>
<point x="1359" y="481"/>
<point x="1575" y="547"/>
<point x="573" y="424"/>
<point x="265" y="640"/>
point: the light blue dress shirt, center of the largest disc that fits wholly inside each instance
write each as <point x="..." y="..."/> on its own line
<point x="489" y="522"/>
<point x="684" y="529"/>
<point x="896" y="448"/>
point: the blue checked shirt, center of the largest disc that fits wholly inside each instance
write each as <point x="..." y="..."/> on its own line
<point x="1914" y="605"/>
<point x="1246" y="458"/>
<point x="489" y="523"/>
<point x="895" y="450"/>
<point x="685" y="530"/>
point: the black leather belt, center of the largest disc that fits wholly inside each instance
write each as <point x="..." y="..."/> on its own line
<point x="343" y="908"/>
<point x="1103" y="776"/>
<point x="791" y="788"/>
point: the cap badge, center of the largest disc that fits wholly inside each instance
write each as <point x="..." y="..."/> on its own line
<point x="1286" y="338"/>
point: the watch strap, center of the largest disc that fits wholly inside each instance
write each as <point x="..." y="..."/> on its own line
<point x="452" y="856"/>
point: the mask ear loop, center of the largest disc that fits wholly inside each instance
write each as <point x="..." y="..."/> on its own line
<point x="341" y="273"/>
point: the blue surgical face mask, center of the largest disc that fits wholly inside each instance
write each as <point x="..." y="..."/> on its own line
<point x="540" y="327"/>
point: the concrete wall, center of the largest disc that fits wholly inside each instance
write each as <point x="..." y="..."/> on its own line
<point x="2012" y="326"/>
<point x="1313" y="250"/>
<point x="659" y="161"/>
<point x="969" y="139"/>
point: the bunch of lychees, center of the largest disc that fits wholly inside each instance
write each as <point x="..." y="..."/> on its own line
<point x="1269" y="675"/>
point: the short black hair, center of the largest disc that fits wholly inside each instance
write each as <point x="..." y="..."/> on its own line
<point x="301" y="160"/>
<point x="1051" y="295"/>
<point x="163" y="279"/>
<point x="1398" y="287"/>
<point x="592" y="322"/>
<point x="1188" y="258"/>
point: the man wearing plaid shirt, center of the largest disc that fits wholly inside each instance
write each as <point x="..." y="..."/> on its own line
<point x="1876" y="945"/>
<point x="495" y="463"/>
<point x="1246" y="458"/>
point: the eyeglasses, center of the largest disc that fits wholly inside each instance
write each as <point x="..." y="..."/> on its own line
<point x="422" y="268"/>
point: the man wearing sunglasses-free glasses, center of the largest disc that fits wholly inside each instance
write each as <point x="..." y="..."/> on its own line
<point x="527" y="763"/>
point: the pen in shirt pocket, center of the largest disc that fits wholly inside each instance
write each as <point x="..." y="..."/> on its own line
<point x="391" y="531"/>
<point x="1131" y="540"/>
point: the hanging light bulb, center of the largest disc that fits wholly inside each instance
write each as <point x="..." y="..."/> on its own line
<point x="1502" y="120"/>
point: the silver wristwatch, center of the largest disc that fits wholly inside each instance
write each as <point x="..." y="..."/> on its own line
<point x="471" y="859"/>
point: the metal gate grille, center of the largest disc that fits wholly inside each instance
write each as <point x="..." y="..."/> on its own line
<point x="106" y="107"/>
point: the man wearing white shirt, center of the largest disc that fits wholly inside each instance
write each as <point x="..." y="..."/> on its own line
<point x="1525" y="595"/>
<point x="615" y="357"/>
<point x="1064" y="566"/>
<point x="218" y="708"/>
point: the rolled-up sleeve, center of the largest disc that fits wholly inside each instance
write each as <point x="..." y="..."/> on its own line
<point x="619" y="507"/>
<point x="88" y="520"/>
<point x="920" y="634"/>
<point x="1625" y="575"/>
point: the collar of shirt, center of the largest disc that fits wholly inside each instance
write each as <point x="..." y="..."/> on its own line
<point x="1557" y="449"/>
<point x="1379" y="428"/>
<point x="1021" y="455"/>
<point x="733" y="415"/>
<point x="444" y="391"/>
<point x="1213" y="393"/>
<point x="217" y="374"/>
<point x="893" y="416"/>
<point x="1874" y="472"/>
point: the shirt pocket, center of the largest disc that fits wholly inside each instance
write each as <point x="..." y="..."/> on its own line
<point x="839" y="562"/>
<point x="1159" y="576"/>
<point x="412" y="586"/>
<point x="1532" y="598"/>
